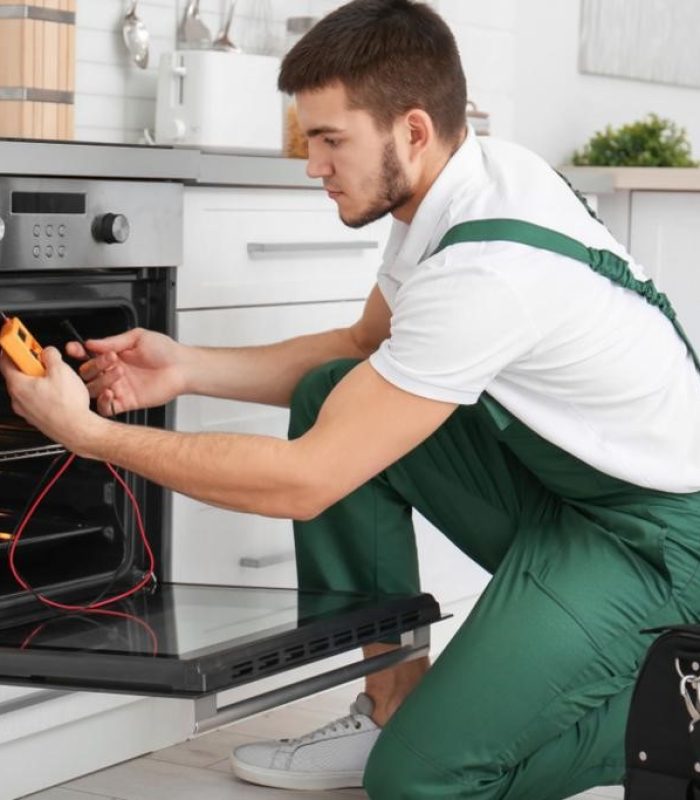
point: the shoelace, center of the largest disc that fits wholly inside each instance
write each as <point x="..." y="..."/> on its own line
<point x="352" y="720"/>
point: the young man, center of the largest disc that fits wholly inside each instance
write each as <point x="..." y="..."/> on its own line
<point x="513" y="377"/>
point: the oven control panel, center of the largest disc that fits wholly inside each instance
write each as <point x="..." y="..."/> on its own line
<point x="56" y="223"/>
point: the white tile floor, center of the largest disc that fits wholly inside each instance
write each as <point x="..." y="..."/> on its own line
<point x="200" y="768"/>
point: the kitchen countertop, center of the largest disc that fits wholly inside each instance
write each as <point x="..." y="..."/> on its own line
<point x="200" y="167"/>
<point x="187" y="165"/>
<point x="604" y="180"/>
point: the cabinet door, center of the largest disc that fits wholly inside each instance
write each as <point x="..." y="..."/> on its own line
<point x="665" y="238"/>
<point x="212" y="545"/>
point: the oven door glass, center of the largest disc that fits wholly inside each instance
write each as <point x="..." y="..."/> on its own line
<point x="187" y="640"/>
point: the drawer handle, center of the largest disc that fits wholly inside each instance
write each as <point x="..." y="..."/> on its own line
<point x="260" y="562"/>
<point x="259" y="248"/>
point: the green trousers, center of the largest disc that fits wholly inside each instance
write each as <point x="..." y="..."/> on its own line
<point x="529" y="700"/>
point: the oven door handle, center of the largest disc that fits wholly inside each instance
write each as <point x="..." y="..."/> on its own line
<point x="208" y="715"/>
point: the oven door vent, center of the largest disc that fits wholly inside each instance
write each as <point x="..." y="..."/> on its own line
<point x="333" y="643"/>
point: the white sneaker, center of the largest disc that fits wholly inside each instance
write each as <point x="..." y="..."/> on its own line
<point x="331" y="757"/>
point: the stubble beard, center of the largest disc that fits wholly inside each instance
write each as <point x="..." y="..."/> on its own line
<point x="393" y="192"/>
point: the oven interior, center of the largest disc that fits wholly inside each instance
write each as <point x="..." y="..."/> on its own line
<point x="82" y="542"/>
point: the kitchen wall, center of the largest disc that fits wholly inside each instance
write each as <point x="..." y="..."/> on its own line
<point x="557" y="109"/>
<point x="520" y="57"/>
<point x="115" y="100"/>
<point x="521" y="60"/>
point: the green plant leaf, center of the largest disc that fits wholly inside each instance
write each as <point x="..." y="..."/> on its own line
<point x="649" y="142"/>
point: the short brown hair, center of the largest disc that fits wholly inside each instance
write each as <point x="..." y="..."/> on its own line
<point x="391" y="56"/>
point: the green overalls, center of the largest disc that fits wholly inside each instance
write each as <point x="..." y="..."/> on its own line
<point x="529" y="700"/>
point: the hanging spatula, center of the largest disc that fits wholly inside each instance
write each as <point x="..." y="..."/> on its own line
<point x="193" y="33"/>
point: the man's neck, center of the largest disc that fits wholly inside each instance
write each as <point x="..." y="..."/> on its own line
<point x="433" y="166"/>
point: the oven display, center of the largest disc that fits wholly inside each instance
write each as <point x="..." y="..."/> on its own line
<point x="48" y="203"/>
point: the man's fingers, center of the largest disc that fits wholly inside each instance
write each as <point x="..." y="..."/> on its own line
<point x="95" y="367"/>
<point x="108" y="405"/>
<point x="76" y="350"/>
<point x="51" y="357"/>
<point x="122" y="341"/>
<point x="105" y="381"/>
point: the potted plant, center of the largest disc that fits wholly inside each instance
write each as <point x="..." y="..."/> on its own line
<point x="649" y="142"/>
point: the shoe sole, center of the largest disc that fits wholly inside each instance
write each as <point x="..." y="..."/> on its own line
<point x="308" y="781"/>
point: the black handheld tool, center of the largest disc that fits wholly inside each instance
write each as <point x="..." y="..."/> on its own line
<point x="68" y="325"/>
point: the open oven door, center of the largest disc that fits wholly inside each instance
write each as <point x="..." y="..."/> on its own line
<point x="195" y="641"/>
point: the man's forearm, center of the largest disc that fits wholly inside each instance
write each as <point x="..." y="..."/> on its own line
<point x="258" y="474"/>
<point x="268" y="373"/>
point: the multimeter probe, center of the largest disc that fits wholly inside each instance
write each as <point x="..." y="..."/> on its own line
<point x="21" y="347"/>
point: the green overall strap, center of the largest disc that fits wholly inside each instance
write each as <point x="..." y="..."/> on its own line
<point x="604" y="262"/>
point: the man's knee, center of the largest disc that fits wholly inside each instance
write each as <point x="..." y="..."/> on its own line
<point x="311" y="392"/>
<point x="384" y="776"/>
<point x="397" y="771"/>
<point x="394" y="772"/>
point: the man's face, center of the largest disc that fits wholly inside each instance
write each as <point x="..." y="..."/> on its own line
<point x="360" y="166"/>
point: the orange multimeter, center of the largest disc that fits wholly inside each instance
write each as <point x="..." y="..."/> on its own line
<point x="21" y="347"/>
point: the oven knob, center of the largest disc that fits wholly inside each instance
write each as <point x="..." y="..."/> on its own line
<point x="2" y="229"/>
<point x="111" y="228"/>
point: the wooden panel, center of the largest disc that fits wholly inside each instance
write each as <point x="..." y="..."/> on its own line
<point x="11" y="118"/>
<point x="36" y="54"/>
<point x="12" y="46"/>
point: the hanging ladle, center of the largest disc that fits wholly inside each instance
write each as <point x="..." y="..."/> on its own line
<point x="223" y="41"/>
<point x="135" y="37"/>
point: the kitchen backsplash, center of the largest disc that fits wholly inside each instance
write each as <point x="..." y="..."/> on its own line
<point x="115" y="100"/>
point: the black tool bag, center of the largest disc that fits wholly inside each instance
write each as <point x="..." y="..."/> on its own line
<point x="662" y="743"/>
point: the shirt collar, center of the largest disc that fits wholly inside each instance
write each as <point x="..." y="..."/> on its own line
<point x="464" y="174"/>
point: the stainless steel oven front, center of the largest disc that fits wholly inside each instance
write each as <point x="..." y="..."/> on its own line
<point x="102" y="257"/>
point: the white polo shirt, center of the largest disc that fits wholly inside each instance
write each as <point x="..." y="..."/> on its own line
<point x="588" y="365"/>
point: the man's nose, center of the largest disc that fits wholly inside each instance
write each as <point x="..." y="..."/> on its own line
<point x="317" y="166"/>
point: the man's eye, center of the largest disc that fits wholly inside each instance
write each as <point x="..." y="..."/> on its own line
<point x="331" y="142"/>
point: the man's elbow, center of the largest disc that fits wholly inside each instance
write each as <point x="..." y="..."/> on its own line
<point x="314" y="498"/>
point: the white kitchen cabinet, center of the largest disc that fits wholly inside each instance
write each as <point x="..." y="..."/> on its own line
<point x="314" y="275"/>
<point x="50" y="737"/>
<point x="273" y="246"/>
<point x="665" y="238"/>
<point x="212" y="545"/>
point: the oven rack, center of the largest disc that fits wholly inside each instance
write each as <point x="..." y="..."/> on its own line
<point x="19" y="441"/>
<point x="23" y="453"/>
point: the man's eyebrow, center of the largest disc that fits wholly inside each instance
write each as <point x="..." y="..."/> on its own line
<point x="320" y="131"/>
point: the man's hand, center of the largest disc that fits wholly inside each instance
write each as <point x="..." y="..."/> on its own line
<point x="57" y="404"/>
<point x="136" y="369"/>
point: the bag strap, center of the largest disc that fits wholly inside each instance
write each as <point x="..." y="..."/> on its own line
<point x="604" y="262"/>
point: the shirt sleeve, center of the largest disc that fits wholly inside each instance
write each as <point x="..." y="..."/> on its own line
<point x="453" y="329"/>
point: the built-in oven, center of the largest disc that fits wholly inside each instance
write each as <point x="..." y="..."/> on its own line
<point x="99" y="258"/>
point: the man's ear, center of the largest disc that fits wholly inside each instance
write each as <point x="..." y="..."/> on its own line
<point x="421" y="132"/>
<point x="421" y="127"/>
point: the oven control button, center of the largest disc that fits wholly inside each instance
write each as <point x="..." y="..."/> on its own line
<point x="111" y="229"/>
<point x="37" y="230"/>
<point x="49" y="230"/>
<point x="37" y="251"/>
<point x="49" y="252"/>
<point x="61" y="230"/>
<point x="61" y="251"/>
<point x="2" y="229"/>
